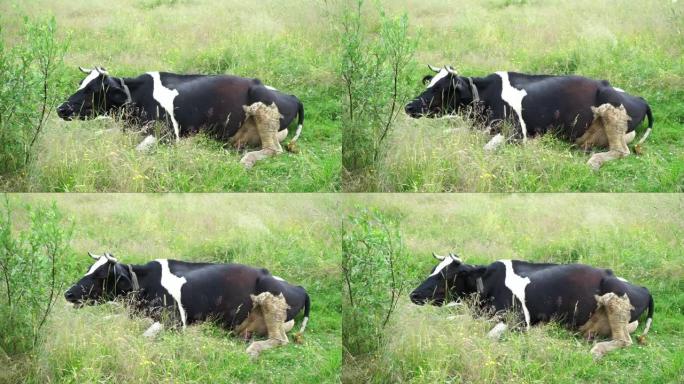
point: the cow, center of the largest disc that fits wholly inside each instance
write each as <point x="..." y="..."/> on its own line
<point x="188" y="292"/>
<point x="534" y="104"/>
<point x="535" y="292"/>
<point x="186" y="103"/>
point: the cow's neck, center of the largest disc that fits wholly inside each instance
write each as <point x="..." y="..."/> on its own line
<point x="476" y="282"/>
<point x="133" y="86"/>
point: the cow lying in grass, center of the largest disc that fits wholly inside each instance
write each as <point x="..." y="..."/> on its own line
<point x="539" y="293"/>
<point x="187" y="104"/>
<point x="535" y="105"/>
<point x="190" y="292"/>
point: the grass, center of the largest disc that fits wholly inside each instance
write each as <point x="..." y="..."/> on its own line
<point x="636" y="45"/>
<point x="285" y="45"/>
<point x="639" y="236"/>
<point x="294" y="237"/>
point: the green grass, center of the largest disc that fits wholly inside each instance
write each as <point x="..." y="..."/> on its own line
<point x="286" y="45"/>
<point x="638" y="236"/>
<point x="636" y="45"/>
<point x="294" y="236"/>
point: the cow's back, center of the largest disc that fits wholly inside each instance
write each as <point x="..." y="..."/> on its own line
<point x="211" y="103"/>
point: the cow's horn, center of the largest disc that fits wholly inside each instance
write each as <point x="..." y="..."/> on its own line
<point x="451" y="70"/>
<point x="434" y="69"/>
<point x="96" y="257"/>
<point x="438" y="257"/>
<point x="102" y="70"/>
<point x="110" y="257"/>
<point x="85" y="70"/>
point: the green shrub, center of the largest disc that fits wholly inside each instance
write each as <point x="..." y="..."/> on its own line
<point x="374" y="279"/>
<point x="29" y="74"/>
<point x="373" y="69"/>
<point x="30" y="274"/>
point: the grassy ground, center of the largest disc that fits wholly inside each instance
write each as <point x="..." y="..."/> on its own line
<point x="294" y="236"/>
<point x="283" y="44"/>
<point x="636" y="45"/>
<point x="639" y="236"/>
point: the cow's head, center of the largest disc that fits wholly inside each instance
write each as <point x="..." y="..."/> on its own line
<point x="97" y="94"/>
<point x="449" y="279"/>
<point x="105" y="279"/>
<point x="445" y="93"/>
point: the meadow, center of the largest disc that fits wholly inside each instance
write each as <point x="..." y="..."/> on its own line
<point x="295" y="238"/>
<point x="636" y="45"/>
<point x="638" y="236"/>
<point x="286" y="45"/>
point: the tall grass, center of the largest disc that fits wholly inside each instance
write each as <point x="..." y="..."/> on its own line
<point x="294" y="237"/>
<point x="636" y="45"/>
<point x="286" y="45"/>
<point x="638" y="236"/>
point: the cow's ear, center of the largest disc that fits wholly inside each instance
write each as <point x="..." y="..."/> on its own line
<point x="426" y="80"/>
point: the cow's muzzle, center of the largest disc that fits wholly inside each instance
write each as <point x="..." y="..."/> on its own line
<point x="418" y="299"/>
<point x="65" y="111"/>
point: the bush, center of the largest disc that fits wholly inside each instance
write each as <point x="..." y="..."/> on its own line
<point x="374" y="279"/>
<point x="373" y="70"/>
<point x="30" y="274"/>
<point x="29" y="78"/>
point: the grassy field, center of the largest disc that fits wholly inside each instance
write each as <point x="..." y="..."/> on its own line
<point x="639" y="236"/>
<point x="294" y="236"/>
<point x="284" y="44"/>
<point x="636" y="45"/>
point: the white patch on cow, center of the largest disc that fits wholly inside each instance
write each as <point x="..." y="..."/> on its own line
<point x="278" y="278"/>
<point x="100" y="262"/>
<point x="297" y="133"/>
<point x="270" y="88"/>
<point x="173" y="284"/>
<point x="304" y="323"/>
<point x="164" y="96"/>
<point x="442" y="74"/>
<point x="497" y="331"/>
<point x="153" y="330"/>
<point x="517" y="286"/>
<point x="629" y="137"/>
<point x="146" y="144"/>
<point x="91" y="76"/>
<point x="442" y="264"/>
<point x="494" y="143"/>
<point x="619" y="89"/>
<point x="648" y="325"/>
<point x="621" y="279"/>
<point x="513" y="97"/>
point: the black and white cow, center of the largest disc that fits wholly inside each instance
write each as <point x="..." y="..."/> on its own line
<point x="188" y="103"/>
<point x="536" y="104"/>
<point x="189" y="291"/>
<point x="541" y="292"/>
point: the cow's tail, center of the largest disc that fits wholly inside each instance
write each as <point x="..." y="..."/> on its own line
<point x="642" y="339"/>
<point x="650" y="125"/>
<point x="300" y="124"/>
<point x="307" y="308"/>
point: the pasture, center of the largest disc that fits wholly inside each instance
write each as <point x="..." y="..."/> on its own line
<point x="636" y="45"/>
<point x="295" y="238"/>
<point x="639" y="236"/>
<point x="286" y="45"/>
